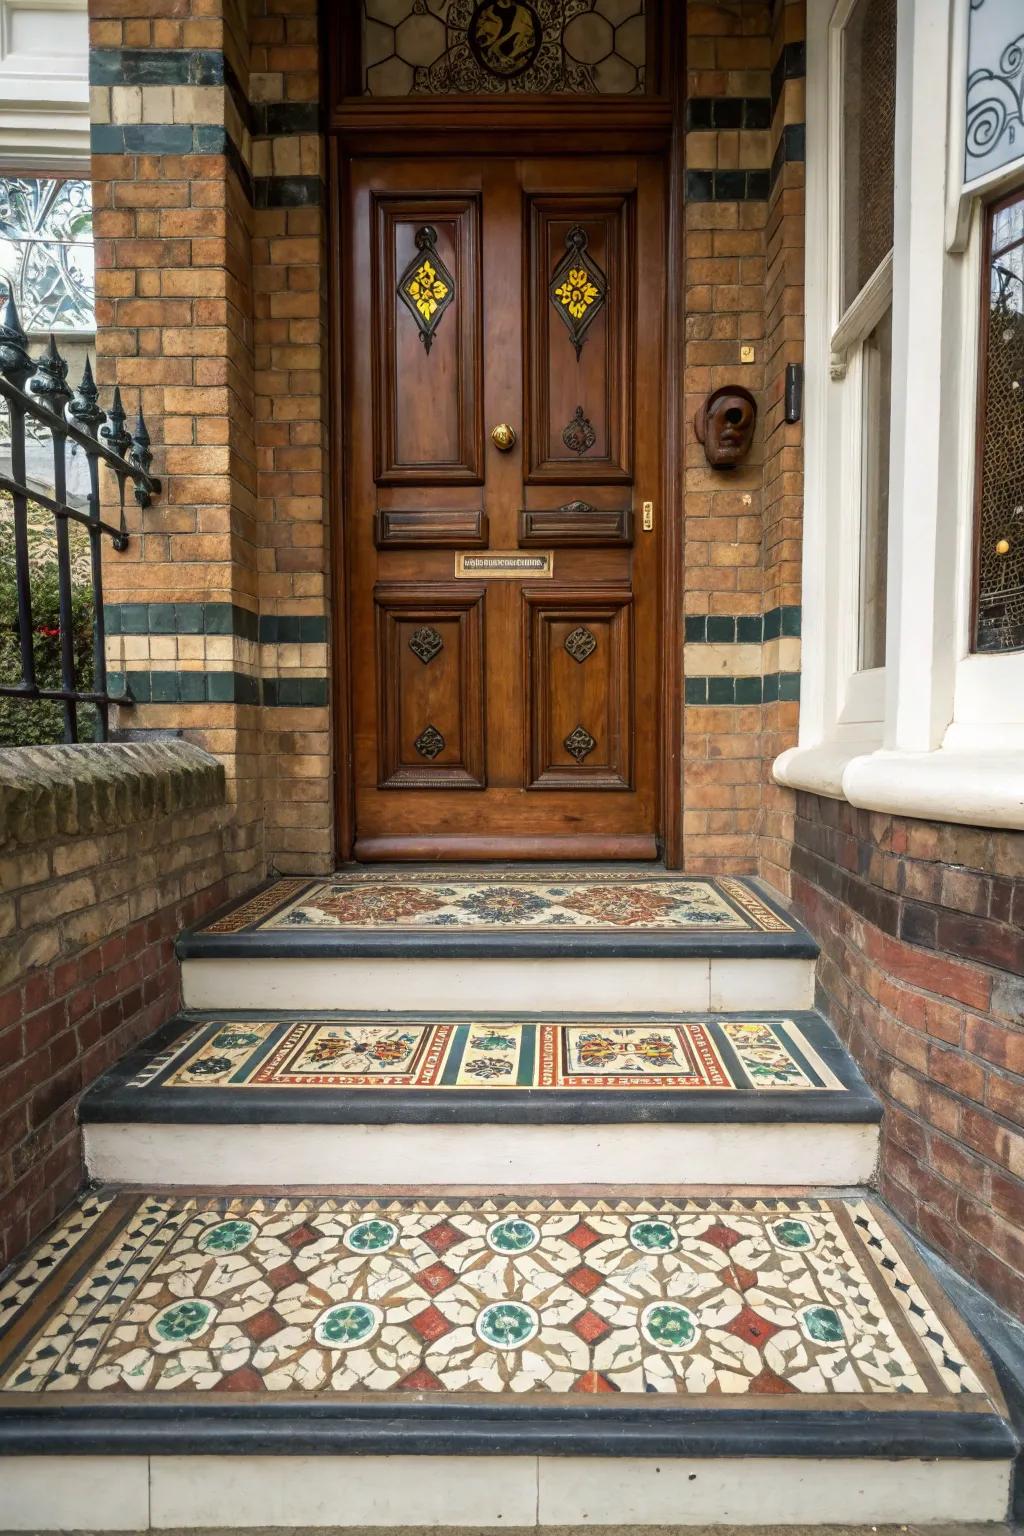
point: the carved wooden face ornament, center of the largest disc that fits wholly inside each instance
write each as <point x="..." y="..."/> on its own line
<point x="725" y="425"/>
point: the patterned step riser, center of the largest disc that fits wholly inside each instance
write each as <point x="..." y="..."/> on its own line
<point x="572" y="984"/>
<point x="817" y="1155"/>
<point x="515" y="1493"/>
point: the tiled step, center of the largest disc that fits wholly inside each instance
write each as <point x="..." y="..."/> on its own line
<point x="452" y="938"/>
<point x="185" y="1361"/>
<point x="373" y="1099"/>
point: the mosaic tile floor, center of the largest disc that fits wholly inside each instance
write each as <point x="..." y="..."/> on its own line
<point x="760" y="1297"/>
<point x="509" y="901"/>
<point x="492" y="1053"/>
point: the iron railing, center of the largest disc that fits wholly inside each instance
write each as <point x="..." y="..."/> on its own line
<point x="38" y="392"/>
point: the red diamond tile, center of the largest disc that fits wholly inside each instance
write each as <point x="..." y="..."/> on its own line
<point x="436" y="1278"/>
<point x="768" y="1381"/>
<point x="298" y="1237"/>
<point x="746" y="1279"/>
<point x="722" y="1237"/>
<point x="589" y="1326"/>
<point x="431" y="1324"/>
<point x="284" y="1275"/>
<point x="245" y="1379"/>
<point x="421" y="1380"/>
<point x="264" y="1325"/>
<point x="750" y="1327"/>
<point x="582" y="1237"/>
<point x="593" y="1381"/>
<point x="583" y="1279"/>
<point x="442" y="1236"/>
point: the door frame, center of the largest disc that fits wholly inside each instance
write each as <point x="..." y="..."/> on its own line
<point x="654" y="124"/>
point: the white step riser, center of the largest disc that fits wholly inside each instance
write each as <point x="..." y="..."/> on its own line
<point x="368" y="1156"/>
<point x="137" y="1493"/>
<point x="574" y="985"/>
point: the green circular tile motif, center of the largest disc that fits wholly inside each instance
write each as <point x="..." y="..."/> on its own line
<point x="793" y="1234"/>
<point x="668" y="1326"/>
<point x="823" y="1325"/>
<point x="513" y="1235"/>
<point x="182" y="1321"/>
<point x="371" y="1236"/>
<point x="227" y="1237"/>
<point x="507" y="1324"/>
<point x="653" y="1237"/>
<point x="235" y="1039"/>
<point x="345" y="1326"/>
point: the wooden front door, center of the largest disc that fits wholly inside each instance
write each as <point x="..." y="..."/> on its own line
<point x="504" y="359"/>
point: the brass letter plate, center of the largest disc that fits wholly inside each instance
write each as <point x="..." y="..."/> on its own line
<point x="505" y="564"/>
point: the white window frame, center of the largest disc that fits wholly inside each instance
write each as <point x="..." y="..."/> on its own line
<point x="941" y="735"/>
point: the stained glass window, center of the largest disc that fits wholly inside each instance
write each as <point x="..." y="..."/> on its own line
<point x="999" y="620"/>
<point x="46" y="253"/>
<point x="995" y="87"/>
<point x="476" y="47"/>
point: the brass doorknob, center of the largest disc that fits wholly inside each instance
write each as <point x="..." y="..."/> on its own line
<point x="503" y="437"/>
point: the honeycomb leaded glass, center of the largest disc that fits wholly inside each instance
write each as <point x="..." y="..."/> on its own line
<point x="46" y="253"/>
<point x="869" y="140"/>
<point x="999" y="622"/>
<point x="476" y="47"/>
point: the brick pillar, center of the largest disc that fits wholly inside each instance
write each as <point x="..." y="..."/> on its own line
<point x="209" y="312"/>
<point x="728" y="156"/>
<point x="783" y="497"/>
<point x="290" y="299"/>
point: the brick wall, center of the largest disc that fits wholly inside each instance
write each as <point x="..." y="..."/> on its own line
<point x="210" y="311"/>
<point x="743" y="302"/>
<point x="106" y="852"/>
<point x="922" y="972"/>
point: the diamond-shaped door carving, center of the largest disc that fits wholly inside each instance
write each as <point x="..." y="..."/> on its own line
<point x="578" y="288"/>
<point x="579" y="743"/>
<point x="426" y="287"/>
<point x="425" y="642"/>
<point x="429" y="742"/>
<point x="580" y="643"/>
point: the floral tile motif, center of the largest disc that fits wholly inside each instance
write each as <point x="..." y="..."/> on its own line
<point x="754" y="1297"/>
<point x="352" y="1051"/>
<point x="504" y="901"/>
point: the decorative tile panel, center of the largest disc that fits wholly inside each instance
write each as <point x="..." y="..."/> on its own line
<point x="539" y="1296"/>
<point x="353" y="1051"/>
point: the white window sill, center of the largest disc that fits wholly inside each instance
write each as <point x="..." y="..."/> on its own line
<point x="970" y="787"/>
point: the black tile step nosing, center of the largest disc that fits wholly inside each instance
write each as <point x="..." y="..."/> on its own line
<point x="446" y="945"/>
<point x="112" y="1101"/>
<point x="446" y="1429"/>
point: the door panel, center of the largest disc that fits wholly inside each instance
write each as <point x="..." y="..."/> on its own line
<point x="579" y="687"/>
<point x="525" y="696"/>
<point x="580" y="307"/>
<point x="425" y="326"/>
<point x="430" y="680"/>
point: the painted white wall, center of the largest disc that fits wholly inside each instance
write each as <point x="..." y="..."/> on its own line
<point x="938" y="732"/>
<point x="44" y="85"/>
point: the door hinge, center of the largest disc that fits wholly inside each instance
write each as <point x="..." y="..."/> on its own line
<point x="648" y="511"/>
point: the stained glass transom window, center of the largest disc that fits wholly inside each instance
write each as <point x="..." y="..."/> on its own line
<point x="46" y="253"/>
<point x="476" y="47"/>
<point x="999" y="622"/>
<point x="995" y="87"/>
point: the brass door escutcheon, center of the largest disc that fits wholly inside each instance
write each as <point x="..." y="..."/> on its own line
<point x="503" y="437"/>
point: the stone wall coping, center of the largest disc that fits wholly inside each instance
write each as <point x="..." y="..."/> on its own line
<point x="78" y="791"/>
